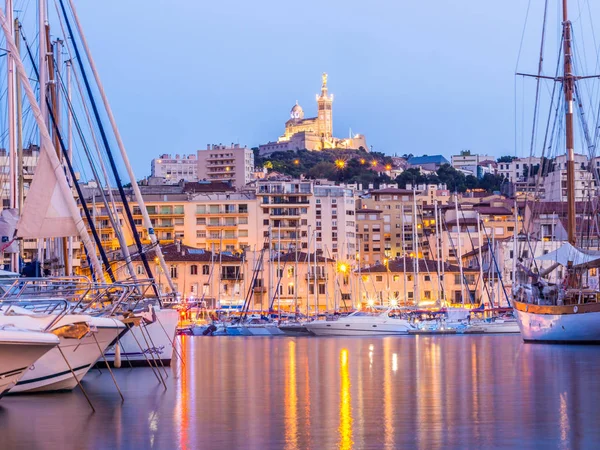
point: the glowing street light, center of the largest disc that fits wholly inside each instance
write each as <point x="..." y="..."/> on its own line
<point x="363" y="161"/>
<point x="296" y="162"/>
<point x="388" y="167"/>
<point x="340" y="163"/>
<point x="374" y="163"/>
<point x="342" y="267"/>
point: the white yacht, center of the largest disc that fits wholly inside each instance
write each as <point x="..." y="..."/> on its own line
<point x="82" y="340"/>
<point x="19" y="350"/>
<point x="151" y="343"/>
<point x="361" y="323"/>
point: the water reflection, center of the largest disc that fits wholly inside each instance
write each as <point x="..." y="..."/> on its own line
<point x="291" y="400"/>
<point x="297" y="393"/>
<point x="345" y="428"/>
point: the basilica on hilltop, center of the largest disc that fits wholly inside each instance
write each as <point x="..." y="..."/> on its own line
<point x="313" y="133"/>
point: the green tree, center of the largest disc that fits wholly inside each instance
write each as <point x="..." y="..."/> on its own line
<point x="506" y="159"/>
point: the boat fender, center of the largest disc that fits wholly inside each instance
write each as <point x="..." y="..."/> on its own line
<point x="117" y="361"/>
<point x="575" y="309"/>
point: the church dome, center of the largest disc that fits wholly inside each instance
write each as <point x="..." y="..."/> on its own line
<point x="297" y="113"/>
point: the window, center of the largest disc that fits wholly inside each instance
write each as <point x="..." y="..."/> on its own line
<point x="411" y="295"/>
<point x="290" y="272"/>
<point x="243" y="233"/>
<point x="200" y="234"/>
<point x="379" y="278"/>
<point x="427" y="278"/>
<point x="139" y="270"/>
<point x="290" y="289"/>
<point x="205" y="269"/>
<point x="173" y="271"/>
<point x="193" y="269"/>
<point x="322" y="289"/>
<point x="396" y="278"/>
<point x="427" y="295"/>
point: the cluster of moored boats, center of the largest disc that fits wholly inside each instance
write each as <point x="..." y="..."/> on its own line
<point x="372" y="322"/>
<point x="54" y="330"/>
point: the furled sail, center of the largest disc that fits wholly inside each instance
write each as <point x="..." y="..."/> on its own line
<point x="578" y="257"/>
<point x="46" y="213"/>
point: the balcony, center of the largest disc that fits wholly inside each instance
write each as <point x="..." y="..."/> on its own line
<point x="311" y="276"/>
<point x="232" y="276"/>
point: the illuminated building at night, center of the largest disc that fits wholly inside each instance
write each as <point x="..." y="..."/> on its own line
<point x="313" y="133"/>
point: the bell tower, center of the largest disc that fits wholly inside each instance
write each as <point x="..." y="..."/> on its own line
<point x="324" y="118"/>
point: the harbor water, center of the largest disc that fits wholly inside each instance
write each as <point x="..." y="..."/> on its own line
<point x="425" y="392"/>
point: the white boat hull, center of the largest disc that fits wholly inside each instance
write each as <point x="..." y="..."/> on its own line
<point x="156" y="342"/>
<point x="52" y="373"/>
<point x="500" y="327"/>
<point x="342" y="328"/>
<point x="559" y="328"/>
<point x="18" y="351"/>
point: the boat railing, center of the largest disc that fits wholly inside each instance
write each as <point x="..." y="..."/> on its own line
<point x="40" y="306"/>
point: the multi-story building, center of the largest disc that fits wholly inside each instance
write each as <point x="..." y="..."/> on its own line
<point x="387" y="224"/>
<point x="216" y="278"/>
<point x="420" y="282"/>
<point x="309" y="215"/>
<point x="555" y="182"/>
<point x="210" y="216"/>
<point x="519" y="169"/>
<point x="174" y="169"/>
<point x="222" y="163"/>
<point x="467" y="159"/>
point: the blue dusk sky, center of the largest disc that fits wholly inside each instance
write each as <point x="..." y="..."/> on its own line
<point x="422" y="77"/>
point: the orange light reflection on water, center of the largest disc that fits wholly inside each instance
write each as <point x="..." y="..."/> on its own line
<point x="345" y="428"/>
<point x="182" y="405"/>
<point x="291" y="400"/>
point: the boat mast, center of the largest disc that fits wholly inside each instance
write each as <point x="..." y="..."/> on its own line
<point x="19" y="125"/>
<point x="568" y="86"/>
<point x="12" y="139"/>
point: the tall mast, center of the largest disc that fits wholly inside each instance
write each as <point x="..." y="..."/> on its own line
<point x="12" y="125"/>
<point x="19" y="124"/>
<point x="569" y="84"/>
<point x="136" y="190"/>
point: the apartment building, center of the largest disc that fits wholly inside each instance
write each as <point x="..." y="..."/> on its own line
<point x="179" y="167"/>
<point x="519" y="169"/>
<point x="555" y="182"/>
<point x="308" y="215"/>
<point x="209" y="216"/>
<point x="419" y="282"/>
<point x="222" y="163"/>
<point x="467" y="159"/>
<point x="385" y="224"/>
<point x="196" y="273"/>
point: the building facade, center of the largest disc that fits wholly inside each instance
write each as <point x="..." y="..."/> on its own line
<point x="222" y="163"/>
<point x="174" y="169"/>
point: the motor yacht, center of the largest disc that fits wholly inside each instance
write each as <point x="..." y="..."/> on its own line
<point x="361" y="323"/>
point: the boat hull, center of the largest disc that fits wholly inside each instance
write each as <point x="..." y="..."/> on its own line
<point x="18" y="354"/>
<point x="294" y="330"/>
<point x="52" y="373"/>
<point x="152" y="344"/>
<point x="537" y="324"/>
<point x="339" y="328"/>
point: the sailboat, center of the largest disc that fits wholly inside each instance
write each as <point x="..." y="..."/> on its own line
<point x="567" y="311"/>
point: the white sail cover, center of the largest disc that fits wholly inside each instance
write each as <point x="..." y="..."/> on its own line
<point x="578" y="257"/>
<point x="46" y="212"/>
